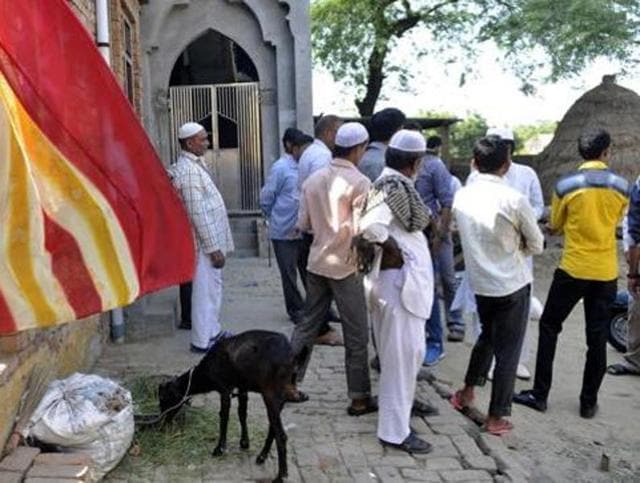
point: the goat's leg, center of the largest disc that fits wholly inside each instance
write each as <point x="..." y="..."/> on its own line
<point x="264" y="453"/>
<point x="242" y="416"/>
<point x="274" y="405"/>
<point x="225" y="404"/>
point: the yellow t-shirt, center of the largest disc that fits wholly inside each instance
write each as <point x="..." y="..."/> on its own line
<point x="587" y="206"/>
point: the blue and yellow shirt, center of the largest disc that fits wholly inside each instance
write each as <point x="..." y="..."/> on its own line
<point x="587" y="206"/>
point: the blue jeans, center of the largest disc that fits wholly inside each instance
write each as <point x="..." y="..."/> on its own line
<point x="444" y="269"/>
<point x="433" y="325"/>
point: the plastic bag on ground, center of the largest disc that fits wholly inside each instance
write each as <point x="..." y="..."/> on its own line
<point x="86" y="414"/>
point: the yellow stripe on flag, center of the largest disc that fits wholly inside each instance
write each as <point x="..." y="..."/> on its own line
<point x="28" y="285"/>
<point x="72" y="201"/>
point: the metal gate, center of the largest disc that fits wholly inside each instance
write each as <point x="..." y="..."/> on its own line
<point x="240" y="104"/>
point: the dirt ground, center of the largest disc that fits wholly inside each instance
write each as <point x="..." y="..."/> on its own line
<point x="559" y="445"/>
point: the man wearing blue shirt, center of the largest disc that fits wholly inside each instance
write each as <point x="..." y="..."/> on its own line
<point x="434" y="186"/>
<point x="279" y="202"/>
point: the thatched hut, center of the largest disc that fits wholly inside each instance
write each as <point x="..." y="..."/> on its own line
<point x="609" y="106"/>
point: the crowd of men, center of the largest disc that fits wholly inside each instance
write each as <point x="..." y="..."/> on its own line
<point x="364" y="217"/>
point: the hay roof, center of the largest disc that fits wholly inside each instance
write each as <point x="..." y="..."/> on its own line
<point x="609" y="106"/>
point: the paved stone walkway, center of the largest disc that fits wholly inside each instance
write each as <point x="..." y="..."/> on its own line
<point x="325" y="444"/>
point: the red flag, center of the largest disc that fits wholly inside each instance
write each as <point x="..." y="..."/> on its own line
<point x="90" y="220"/>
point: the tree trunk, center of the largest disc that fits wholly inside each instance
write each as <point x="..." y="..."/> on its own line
<point x="375" y="77"/>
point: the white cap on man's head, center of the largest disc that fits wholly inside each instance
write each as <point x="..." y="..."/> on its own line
<point x="351" y="134"/>
<point x="189" y="129"/>
<point x="408" y="141"/>
<point x="504" y="133"/>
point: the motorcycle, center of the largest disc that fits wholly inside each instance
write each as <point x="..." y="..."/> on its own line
<point x="619" y="322"/>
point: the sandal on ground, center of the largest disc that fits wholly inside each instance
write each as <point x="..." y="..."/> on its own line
<point x="475" y="415"/>
<point x="296" y="396"/>
<point x="456" y="401"/>
<point x="331" y="338"/>
<point x="622" y="370"/>
<point x="370" y="406"/>
<point x="501" y="428"/>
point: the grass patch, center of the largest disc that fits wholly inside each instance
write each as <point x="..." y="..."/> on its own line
<point x="189" y="439"/>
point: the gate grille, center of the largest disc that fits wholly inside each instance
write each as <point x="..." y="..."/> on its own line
<point x="240" y="104"/>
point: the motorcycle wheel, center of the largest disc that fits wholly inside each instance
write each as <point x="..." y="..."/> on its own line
<point x="618" y="331"/>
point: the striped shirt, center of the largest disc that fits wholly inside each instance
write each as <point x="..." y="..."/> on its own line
<point x="203" y="203"/>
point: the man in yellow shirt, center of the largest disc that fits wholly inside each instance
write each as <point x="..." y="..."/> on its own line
<point x="586" y="208"/>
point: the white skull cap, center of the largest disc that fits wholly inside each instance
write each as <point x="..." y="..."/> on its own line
<point x="503" y="133"/>
<point x="408" y="141"/>
<point x="351" y="134"/>
<point x="189" y="129"/>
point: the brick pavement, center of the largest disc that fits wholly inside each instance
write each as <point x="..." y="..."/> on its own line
<point x="325" y="444"/>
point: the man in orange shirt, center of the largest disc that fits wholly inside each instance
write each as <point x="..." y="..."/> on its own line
<point x="330" y="204"/>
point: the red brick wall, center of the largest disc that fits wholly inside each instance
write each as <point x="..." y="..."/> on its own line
<point x="86" y="12"/>
<point x="118" y="11"/>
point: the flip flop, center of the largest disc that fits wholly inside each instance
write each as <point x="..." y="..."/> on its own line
<point x="501" y="429"/>
<point x="331" y="338"/>
<point x="456" y="402"/>
<point x="475" y="415"/>
<point x="622" y="370"/>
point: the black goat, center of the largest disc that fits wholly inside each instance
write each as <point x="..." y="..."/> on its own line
<point x="257" y="361"/>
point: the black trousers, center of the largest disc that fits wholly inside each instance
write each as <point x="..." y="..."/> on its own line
<point x="503" y="321"/>
<point x="291" y="262"/>
<point x="185" y="303"/>
<point x="564" y="294"/>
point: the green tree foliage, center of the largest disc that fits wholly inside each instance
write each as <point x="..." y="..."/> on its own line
<point x="527" y="132"/>
<point x="464" y="134"/>
<point x="355" y="39"/>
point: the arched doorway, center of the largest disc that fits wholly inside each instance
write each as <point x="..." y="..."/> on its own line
<point x="215" y="82"/>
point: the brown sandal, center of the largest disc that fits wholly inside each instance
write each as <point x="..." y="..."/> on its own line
<point x="296" y="396"/>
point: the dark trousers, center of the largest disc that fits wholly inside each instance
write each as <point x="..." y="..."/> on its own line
<point x="291" y="262"/>
<point x="305" y="247"/>
<point x="503" y="321"/>
<point x="564" y="294"/>
<point x="349" y="296"/>
<point x="185" y="304"/>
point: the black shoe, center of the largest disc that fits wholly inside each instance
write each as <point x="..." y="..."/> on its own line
<point x="588" y="412"/>
<point x="527" y="398"/>
<point x="412" y="445"/>
<point x="198" y="350"/>
<point x="185" y="325"/>
<point x="423" y="409"/>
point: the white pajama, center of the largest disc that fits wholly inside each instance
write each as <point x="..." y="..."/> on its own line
<point x="399" y="302"/>
<point x="400" y="338"/>
<point x="206" y="302"/>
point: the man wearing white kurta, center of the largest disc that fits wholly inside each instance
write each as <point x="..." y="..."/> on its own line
<point x="524" y="179"/>
<point x="399" y="286"/>
<point x="208" y="214"/>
